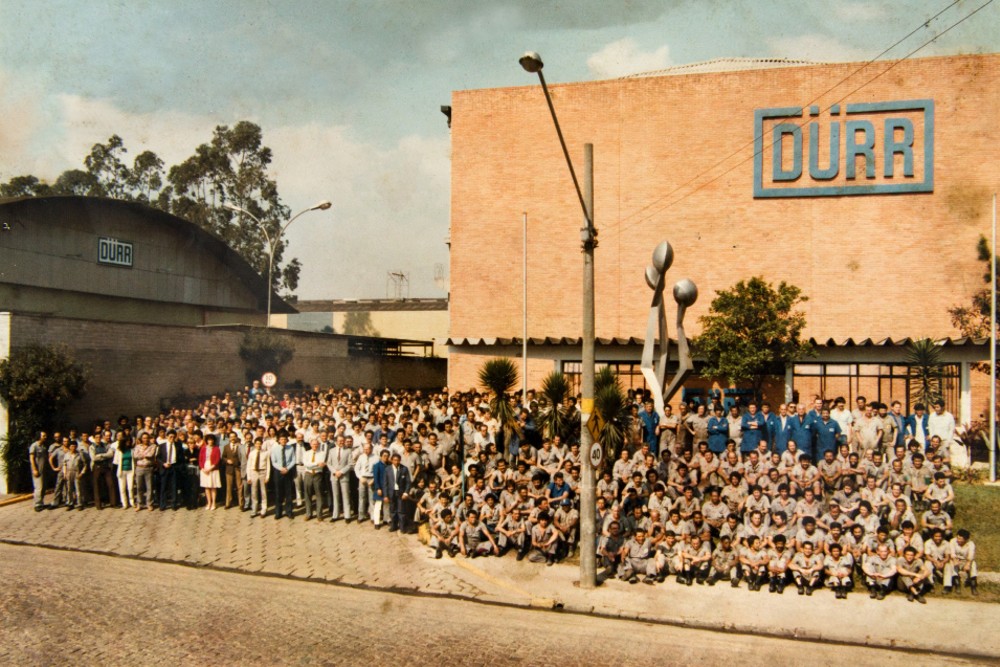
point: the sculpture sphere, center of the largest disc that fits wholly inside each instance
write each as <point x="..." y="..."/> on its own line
<point x="685" y="292"/>
<point x="652" y="277"/>
<point x="663" y="257"/>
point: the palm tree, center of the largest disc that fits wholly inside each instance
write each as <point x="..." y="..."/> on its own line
<point x="926" y="376"/>
<point x="610" y="401"/>
<point x="499" y="376"/>
<point x="555" y="388"/>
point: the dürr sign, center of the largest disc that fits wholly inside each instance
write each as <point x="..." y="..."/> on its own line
<point x="114" y="252"/>
<point x="854" y="149"/>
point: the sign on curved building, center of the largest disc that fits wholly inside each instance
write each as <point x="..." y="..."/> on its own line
<point x="114" y="260"/>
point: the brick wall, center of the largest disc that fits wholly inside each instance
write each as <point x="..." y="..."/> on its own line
<point x="136" y="366"/>
<point x="872" y="266"/>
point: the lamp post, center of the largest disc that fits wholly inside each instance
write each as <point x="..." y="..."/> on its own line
<point x="532" y="63"/>
<point x="272" y="244"/>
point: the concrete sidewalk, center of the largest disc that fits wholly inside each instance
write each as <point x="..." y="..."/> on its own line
<point x="941" y="626"/>
<point x="359" y="556"/>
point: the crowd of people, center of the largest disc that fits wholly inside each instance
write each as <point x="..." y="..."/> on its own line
<point x="798" y="497"/>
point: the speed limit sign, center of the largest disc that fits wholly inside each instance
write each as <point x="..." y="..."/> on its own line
<point x="269" y="379"/>
<point x="596" y="455"/>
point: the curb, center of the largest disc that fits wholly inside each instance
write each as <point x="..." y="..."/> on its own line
<point x="547" y="605"/>
<point x="16" y="499"/>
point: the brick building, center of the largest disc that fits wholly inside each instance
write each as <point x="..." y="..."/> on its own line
<point x="866" y="186"/>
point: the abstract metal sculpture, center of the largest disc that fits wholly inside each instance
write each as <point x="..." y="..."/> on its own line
<point x="685" y="294"/>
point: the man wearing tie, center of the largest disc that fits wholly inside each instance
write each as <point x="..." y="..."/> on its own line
<point x="312" y="472"/>
<point x="258" y="475"/>
<point x="340" y="461"/>
<point x="396" y="483"/>
<point x="284" y="461"/>
<point x="168" y="456"/>
<point x="780" y="433"/>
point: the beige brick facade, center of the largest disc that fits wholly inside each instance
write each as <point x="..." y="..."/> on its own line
<point x="673" y="160"/>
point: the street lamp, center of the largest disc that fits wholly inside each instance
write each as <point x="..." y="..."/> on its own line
<point x="272" y="244"/>
<point x="532" y="63"/>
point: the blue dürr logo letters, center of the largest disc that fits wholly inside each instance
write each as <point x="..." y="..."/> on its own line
<point x="872" y="148"/>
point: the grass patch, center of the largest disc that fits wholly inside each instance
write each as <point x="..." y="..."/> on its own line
<point x="978" y="511"/>
<point x="988" y="592"/>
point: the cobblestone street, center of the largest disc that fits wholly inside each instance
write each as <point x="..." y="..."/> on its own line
<point x="100" y="610"/>
<point x="345" y="553"/>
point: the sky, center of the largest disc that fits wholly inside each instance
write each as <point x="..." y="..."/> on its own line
<point x="348" y="92"/>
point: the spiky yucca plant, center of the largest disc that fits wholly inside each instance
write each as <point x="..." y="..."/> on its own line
<point x="610" y="401"/>
<point x="555" y="389"/>
<point x="926" y="374"/>
<point x="500" y="376"/>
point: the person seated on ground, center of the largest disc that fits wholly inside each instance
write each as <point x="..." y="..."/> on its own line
<point x="809" y="532"/>
<point x="667" y="556"/>
<point x="725" y="563"/>
<point x="733" y="529"/>
<point x="566" y="520"/>
<point x="735" y="493"/>
<point x="779" y="526"/>
<point x="807" y="569"/>
<point x="714" y="510"/>
<point x="935" y="517"/>
<point x="687" y="504"/>
<point x="807" y="506"/>
<point x="544" y="538"/>
<point x="838" y="566"/>
<point x="937" y="553"/>
<point x="833" y="515"/>
<point x="909" y="537"/>
<point x="835" y="536"/>
<point x="474" y="539"/>
<point x="913" y="575"/>
<point x="942" y="491"/>
<point x="961" y="560"/>
<point x="489" y="513"/>
<point x="444" y="534"/>
<point x="876" y="497"/>
<point x="756" y="502"/>
<point x="635" y="559"/>
<point x="880" y="572"/>
<point x="779" y="557"/>
<point x="869" y="522"/>
<point x="513" y="533"/>
<point x="899" y="515"/>
<point x="609" y="548"/>
<point x="753" y="560"/>
<point x="804" y="476"/>
<point x="696" y="560"/>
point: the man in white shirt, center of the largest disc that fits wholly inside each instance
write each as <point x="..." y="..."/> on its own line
<point x="363" y="469"/>
<point x="941" y="423"/>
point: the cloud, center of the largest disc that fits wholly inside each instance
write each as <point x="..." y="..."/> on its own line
<point x="390" y="204"/>
<point x="390" y="209"/>
<point x="816" y="47"/>
<point x="625" y="57"/>
<point x="858" y="11"/>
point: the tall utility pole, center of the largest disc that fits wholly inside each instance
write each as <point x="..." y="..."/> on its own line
<point x="532" y="63"/>
<point x="588" y="497"/>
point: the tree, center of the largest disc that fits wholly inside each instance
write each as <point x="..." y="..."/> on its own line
<point x="926" y="374"/>
<point x="973" y="320"/>
<point x="264" y="351"/>
<point x="24" y="186"/>
<point x="752" y="330"/>
<point x="359" y="323"/>
<point x="610" y="401"/>
<point x="500" y="376"/>
<point x="37" y="383"/>
<point x="553" y="419"/>
<point x="231" y="169"/>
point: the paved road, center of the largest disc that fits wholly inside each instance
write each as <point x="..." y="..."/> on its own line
<point x="145" y="612"/>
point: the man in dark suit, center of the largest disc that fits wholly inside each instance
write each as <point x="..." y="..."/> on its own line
<point x="169" y="459"/>
<point x="396" y="486"/>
